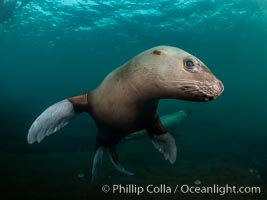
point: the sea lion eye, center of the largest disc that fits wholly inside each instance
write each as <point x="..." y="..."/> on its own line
<point x="190" y="65"/>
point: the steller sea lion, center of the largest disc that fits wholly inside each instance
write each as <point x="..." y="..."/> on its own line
<point x="127" y="99"/>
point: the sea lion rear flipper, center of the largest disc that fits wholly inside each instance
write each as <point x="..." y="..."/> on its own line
<point x="165" y="143"/>
<point x="97" y="162"/>
<point x="115" y="161"/>
<point x="162" y="140"/>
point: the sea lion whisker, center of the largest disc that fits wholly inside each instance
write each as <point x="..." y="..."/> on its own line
<point x="177" y="81"/>
<point x="183" y="81"/>
<point x="188" y="85"/>
<point x="174" y="86"/>
<point x="183" y="85"/>
<point x="190" y="89"/>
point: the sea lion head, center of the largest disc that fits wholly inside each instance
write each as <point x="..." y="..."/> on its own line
<point x="183" y="76"/>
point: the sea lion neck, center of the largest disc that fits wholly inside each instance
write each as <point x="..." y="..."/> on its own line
<point x="139" y="81"/>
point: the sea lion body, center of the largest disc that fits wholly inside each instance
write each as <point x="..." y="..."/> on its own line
<point x="123" y="101"/>
<point x="126" y="101"/>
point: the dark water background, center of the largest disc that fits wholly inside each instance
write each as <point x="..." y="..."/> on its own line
<point x="50" y="50"/>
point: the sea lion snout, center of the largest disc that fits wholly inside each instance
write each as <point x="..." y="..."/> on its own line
<point x="211" y="90"/>
<point x="202" y="91"/>
<point x="220" y="89"/>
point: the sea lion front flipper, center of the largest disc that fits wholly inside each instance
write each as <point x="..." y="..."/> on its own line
<point x="115" y="161"/>
<point x="162" y="141"/>
<point x="56" y="117"/>
<point x="51" y="120"/>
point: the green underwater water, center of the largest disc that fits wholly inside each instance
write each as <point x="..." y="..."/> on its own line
<point x="50" y="50"/>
